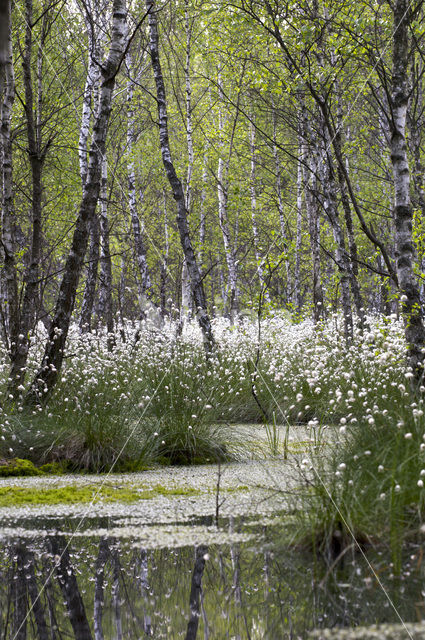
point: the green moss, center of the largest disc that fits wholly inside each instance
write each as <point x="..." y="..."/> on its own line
<point x="52" y="468"/>
<point x="21" y="467"/>
<point x="18" y="467"/>
<point x="130" y="466"/>
<point x="73" y="494"/>
<point x="241" y="487"/>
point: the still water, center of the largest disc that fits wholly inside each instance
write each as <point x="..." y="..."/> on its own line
<point x="56" y="583"/>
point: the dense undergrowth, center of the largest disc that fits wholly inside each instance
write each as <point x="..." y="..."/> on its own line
<point x="154" y="398"/>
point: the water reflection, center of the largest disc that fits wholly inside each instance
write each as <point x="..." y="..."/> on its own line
<point x="54" y="587"/>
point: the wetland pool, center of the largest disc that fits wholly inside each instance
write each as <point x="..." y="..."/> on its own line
<point x="185" y="562"/>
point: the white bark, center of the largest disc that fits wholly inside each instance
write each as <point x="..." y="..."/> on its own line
<point x="189" y="123"/>
<point x="99" y="580"/>
<point x="222" y="192"/>
<point x="298" y="240"/>
<point x="256" y="239"/>
<point x="164" y="262"/>
<point x="279" y="193"/>
<point x="139" y="244"/>
<point x="92" y="80"/>
<point x="186" y="303"/>
<point x="203" y="213"/>
<point x="310" y="188"/>
<point x="403" y="212"/>
<point x="105" y="275"/>
<point x="96" y="27"/>
<point x="116" y="596"/>
<point x="341" y="256"/>
<point x="185" y="310"/>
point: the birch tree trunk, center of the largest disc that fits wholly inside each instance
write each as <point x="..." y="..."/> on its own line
<point x="91" y="278"/>
<point x="70" y="590"/>
<point x="116" y="598"/>
<point x="7" y="94"/>
<point x="37" y="154"/>
<point x="33" y="592"/>
<point x="164" y="262"/>
<point x="186" y="301"/>
<point x="176" y="185"/>
<point x="5" y="9"/>
<point x="279" y="193"/>
<point x="19" y="631"/>
<point x="223" y="197"/>
<point x="143" y="576"/>
<point x="403" y="211"/>
<point x="99" y="580"/>
<point x="121" y="293"/>
<point x="47" y="374"/>
<point x="90" y="106"/>
<point x="253" y="178"/>
<point x="4" y="331"/>
<point x="345" y="201"/>
<point x="310" y="188"/>
<point x="189" y="123"/>
<point x="92" y="82"/>
<point x="416" y="123"/>
<point x="341" y="255"/>
<point x="203" y="212"/>
<point x="139" y="244"/>
<point x="105" y="277"/>
<point x="298" y="239"/>
<point x="195" y="592"/>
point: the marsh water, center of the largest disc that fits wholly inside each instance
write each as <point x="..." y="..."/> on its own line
<point x="56" y="584"/>
<point x="199" y="554"/>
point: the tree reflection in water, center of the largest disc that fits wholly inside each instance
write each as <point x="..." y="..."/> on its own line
<point x="107" y="588"/>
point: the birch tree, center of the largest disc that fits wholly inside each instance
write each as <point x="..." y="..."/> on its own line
<point x="70" y="589"/>
<point x="99" y="588"/>
<point x="104" y="309"/>
<point x="185" y="279"/>
<point x="176" y="185"/>
<point x="47" y="374"/>
<point x="282" y="221"/>
<point x="253" y="190"/>
<point x="90" y="103"/>
<point x="10" y="309"/>
<point x="201" y="554"/>
<point x="403" y="211"/>
<point x="144" y="283"/>
<point x="223" y="170"/>
<point x="37" y="152"/>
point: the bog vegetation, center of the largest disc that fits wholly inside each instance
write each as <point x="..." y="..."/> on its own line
<point x="155" y="398"/>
